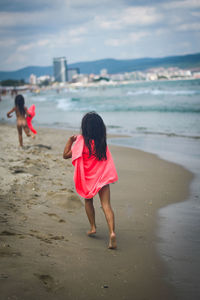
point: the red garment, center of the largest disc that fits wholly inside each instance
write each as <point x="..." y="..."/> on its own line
<point x="31" y="111"/>
<point x="91" y="174"/>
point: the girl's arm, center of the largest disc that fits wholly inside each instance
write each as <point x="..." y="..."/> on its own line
<point x="10" y="112"/>
<point x="67" y="151"/>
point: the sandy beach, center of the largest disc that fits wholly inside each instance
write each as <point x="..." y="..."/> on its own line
<point x="44" y="249"/>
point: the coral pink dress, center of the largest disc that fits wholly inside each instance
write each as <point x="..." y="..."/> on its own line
<point x="91" y="174"/>
<point x="31" y="111"/>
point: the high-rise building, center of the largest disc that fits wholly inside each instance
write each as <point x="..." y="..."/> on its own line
<point x="71" y="73"/>
<point x="32" y="79"/>
<point x="60" y="69"/>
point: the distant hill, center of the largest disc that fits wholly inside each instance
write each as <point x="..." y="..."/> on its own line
<point x="26" y="72"/>
<point x="113" y="66"/>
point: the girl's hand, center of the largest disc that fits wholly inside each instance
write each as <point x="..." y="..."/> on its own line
<point x="67" y="151"/>
<point x="73" y="138"/>
<point x="10" y="112"/>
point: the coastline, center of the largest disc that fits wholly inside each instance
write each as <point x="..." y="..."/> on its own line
<point x="178" y="223"/>
<point x="44" y="223"/>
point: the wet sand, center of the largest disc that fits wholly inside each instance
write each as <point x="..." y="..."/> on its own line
<point x="44" y="249"/>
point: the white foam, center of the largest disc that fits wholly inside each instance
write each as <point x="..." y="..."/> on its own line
<point x="39" y="99"/>
<point x="64" y="103"/>
<point x="162" y="92"/>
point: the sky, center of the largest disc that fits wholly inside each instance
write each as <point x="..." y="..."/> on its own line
<point x="33" y="32"/>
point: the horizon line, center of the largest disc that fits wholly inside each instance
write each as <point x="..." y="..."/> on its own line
<point x="79" y="62"/>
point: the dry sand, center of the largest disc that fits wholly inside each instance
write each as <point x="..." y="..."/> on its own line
<point x="44" y="250"/>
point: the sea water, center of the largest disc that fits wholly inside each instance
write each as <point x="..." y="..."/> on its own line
<point x="162" y="117"/>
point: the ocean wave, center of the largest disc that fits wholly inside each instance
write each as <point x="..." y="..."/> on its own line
<point x="170" y="134"/>
<point x="161" y="109"/>
<point x="39" y="98"/>
<point x="64" y="103"/>
<point x="140" y="131"/>
<point x="141" y="128"/>
<point x="162" y="92"/>
<point x="76" y="99"/>
<point x="84" y="105"/>
<point x="113" y="126"/>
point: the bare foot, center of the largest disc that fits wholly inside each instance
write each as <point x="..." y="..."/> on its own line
<point x="33" y="136"/>
<point x="112" y="242"/>
<point x="91" y="232"/>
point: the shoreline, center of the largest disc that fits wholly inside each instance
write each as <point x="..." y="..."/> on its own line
<point x="178" y="223"/>
<point x="79" y="84"/>
<point x="47" y="223"/>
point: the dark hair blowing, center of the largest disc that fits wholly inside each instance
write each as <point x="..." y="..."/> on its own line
<point x="94" y="129"/>
<point x="19" y="102"/>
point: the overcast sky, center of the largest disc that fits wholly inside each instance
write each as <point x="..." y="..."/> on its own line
<point x="33" y="32"/>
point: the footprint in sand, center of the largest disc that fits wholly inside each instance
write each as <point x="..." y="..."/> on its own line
<point x="17" y="170"/>
<point x="41" y="237"/>
<point x="7" y="252"/>
<point x="3" y="220"/>
<point x="5" y="232"/>
<point x="68" y="200"/>
<point x="38" y="147"/>
<point x="3" y="276"/>
<point x="48" y="282"/>
<point x="8" y="233"/>
<point x="47" y="238"/>
<point x="55" y="217"/>
<point x="58" y="238"/>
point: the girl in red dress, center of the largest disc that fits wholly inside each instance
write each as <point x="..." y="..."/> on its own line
<point x="94" y="170"/>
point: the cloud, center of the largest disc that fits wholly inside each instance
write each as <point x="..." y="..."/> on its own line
<point x="20" y="19"/>
<point x="129" y="39"/>
<point x="36" y="31"/>
<point x="7" y="43"/>
<point x="140" y="16"/>
<point x="26" y="47"/>
<point x="78" y="31"/>
<point x="43" y="43"/>
<point x="131" y="16"/>
<point x="36" y="44"/>
<point x="19" y="57"/>
<point x="189" y="27"/>
<point x="182" y="4"/>
<point x="114" y="42"/>
<point x="196" y="14"/>
<point x="45" y="20"/>
<point x="25" y="6"/>
<point x="68" y="38"/>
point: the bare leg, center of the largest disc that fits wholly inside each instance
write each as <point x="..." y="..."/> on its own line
<point x="19" y="129"/>
<point x="27" y="131"/>
<point x="89" y="208"/>
<point x="104" y="194"/>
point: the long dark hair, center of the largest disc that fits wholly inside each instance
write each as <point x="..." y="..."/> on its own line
<point x="94" y="129"/>
<point x="19" y="102"/>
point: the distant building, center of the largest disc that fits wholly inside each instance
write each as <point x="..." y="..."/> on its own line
<point x="32" y="79"/>
<point x="104" y="72"/>
<point x="60" y="69"/>
<point x="44" y="78"/>
<point x="72" y="73"/>
<point x="81" y="78"/>
<point x="196" y="75"/>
